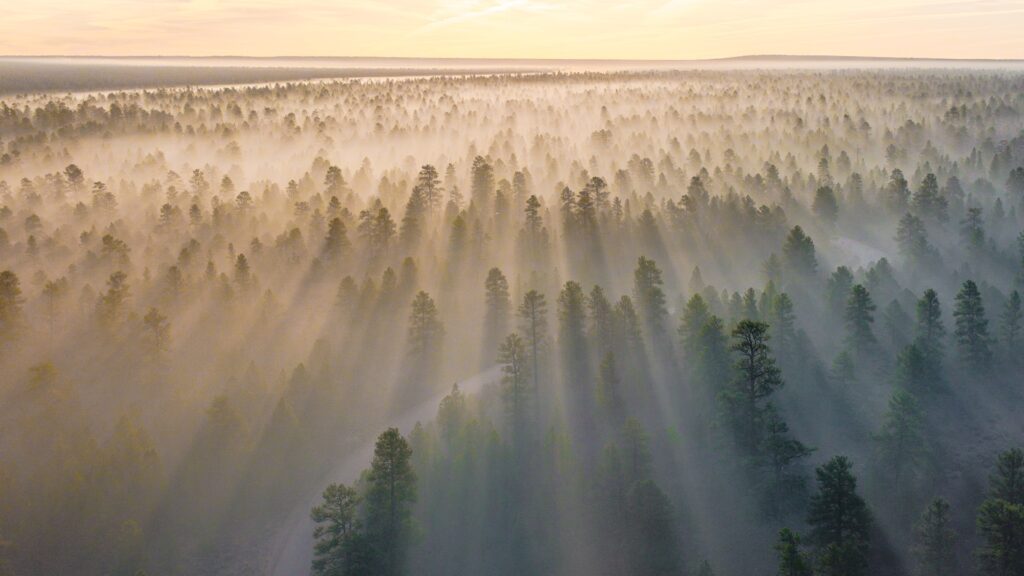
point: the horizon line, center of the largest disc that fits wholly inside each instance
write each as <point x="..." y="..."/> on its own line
<point x="515" y="59"/>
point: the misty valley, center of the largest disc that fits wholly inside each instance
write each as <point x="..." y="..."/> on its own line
<point x="707" y="322"/>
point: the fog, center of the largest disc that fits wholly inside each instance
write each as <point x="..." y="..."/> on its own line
<point x="632" y="321"/>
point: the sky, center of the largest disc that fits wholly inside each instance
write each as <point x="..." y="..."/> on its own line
<point x="626" y="29"/>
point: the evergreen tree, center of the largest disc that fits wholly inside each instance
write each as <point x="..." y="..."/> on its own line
<point x="931" y="333"/>
<point x="1011" y="328"/>
<point x="337" y="240"/>
<point x="972" y="232"/>
<point x="649" y="297"/>
<point x="840" y="521"/>
<point x="111" y="305"/>
<point x="712" y="355"/>
<point x="783" y="327"/>
<point x="934" y="542"/>
<point x="781" y="451"/>
<point x="757" y="377"/>
<point x="694" y="316"/>
<point x="825" y="205"/>
<point x="533" y="323"/>
<point x="340" y="549"/>
<point x="859" y="316"/>
<point x="897" y="193"/>
<point x="426" y="332"/>
<point x="792" y="561"/>
<point x="653" y="535"/>
<point x="602" y="329"/>
<point x="839" y="285"/>
<point x="571" y="331"/>
<point x="912" y="238"/>
<point x="429" y="185"/>
<point x="498" y="305"/>
<point x="928" y="202"/>
<point x="609" y="393"/>
<point x="798" y="253"/>
<point x="972" y="328"/>
<point x="1001" y="518"/>
<point x="901" y="448"/>
<point x="391" y="491"/>
<point x="512" y="357"/>
<point x="482" y="188"/>
<point x="11" y="315"/>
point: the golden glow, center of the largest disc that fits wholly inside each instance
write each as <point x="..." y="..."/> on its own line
<point x="630" y="29"/>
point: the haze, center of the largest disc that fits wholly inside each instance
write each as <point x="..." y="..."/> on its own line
<point x="642" y="29"/>
<point x="319" y="289"/>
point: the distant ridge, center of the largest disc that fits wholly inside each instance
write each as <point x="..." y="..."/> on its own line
<point x="453" y="60"/>
<point x="49" y="74"/>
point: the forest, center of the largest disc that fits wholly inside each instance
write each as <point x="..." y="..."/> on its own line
<point x="646" y="323"/>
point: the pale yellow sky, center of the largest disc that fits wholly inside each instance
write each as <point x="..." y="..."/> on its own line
<point x="630" y="29"/>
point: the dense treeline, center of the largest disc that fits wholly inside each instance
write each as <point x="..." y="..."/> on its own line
<point x="742" y="322"/>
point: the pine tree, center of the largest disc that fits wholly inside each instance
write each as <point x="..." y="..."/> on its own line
<point x="159" y="329"/>
<point x="859" y="316"/>
<point x="972" y="328"/>
<point x="825" y="205"/>
<point x="798" y="253"/>
<point x="11" y="315"/>
<point x="337" y="240"/>
<point x="783" y="327"/>
<point x="934" y="542"/>
<point x="512" y="357"/>
<point x="111" y="305"/>
<point x="840" y="521"/>
<point x="1001" y="518"/>
<point x="694" y="316"/>
<point x="649" y="297"/>
<point x="897" y="192"/>
<point x="341" y="548"/>
<point x="838" y="290"/>
<point x="757" y="377"/>
<point x="482" y="188"/>
<point x="972" y="232"/>
<point x="931" y="333"/>
<point x="792" y="560"/>
<point x="426" y="332"/>
<point x="912" y="238"/>
<point x="1011" y="328"/>
<point x="571" y="331"/>
<point x="391" y="491"/>
<point x="653" y="546"/>
<point x="928" y="202"/>
<point x="602" y="321"/>
<point x="533" y="323"/>
<point x="901" y="448"/>
<point x="609" y="393"/>
<point x="498" y="305"/>
<point x="781" y="452"/>
<point x="429" y="185"/>
<point x="712" y="355"/>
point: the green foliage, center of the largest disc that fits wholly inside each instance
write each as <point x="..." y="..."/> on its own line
<point x="934" y="542"/>
<point x="798" y="253"/>
<point x="390" y="493"/>
<point x="648" y="295"/>
<point x="840" y="521"/>
<point x="1001" y="518"/>
<point x="792" y="560"/>
<point x="512" y="356"/>
<point x="757" y="377"/>
<point x="340" y="549"/>
<point x="859" y="317"/>
<point x="972" y="328"/>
